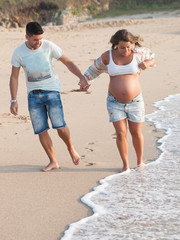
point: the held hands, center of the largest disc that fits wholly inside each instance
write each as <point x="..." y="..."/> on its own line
<point x="84" y="85"/>
<point x="14" y="108"/>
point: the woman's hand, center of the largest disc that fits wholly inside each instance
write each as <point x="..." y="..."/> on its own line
<point x="144" y="65"/>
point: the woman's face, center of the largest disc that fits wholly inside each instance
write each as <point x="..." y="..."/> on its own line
<point x="124" y="48"/>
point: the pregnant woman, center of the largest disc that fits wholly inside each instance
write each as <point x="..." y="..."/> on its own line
<point x="124" y="62"/>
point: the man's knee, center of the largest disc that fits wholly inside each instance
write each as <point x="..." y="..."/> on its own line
<point x="63" y="131"/>
<point x="43" y="134"/>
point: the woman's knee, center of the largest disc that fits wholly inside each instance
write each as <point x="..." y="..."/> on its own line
<point x="136" y="134"/>
<point x="121" y="135"/>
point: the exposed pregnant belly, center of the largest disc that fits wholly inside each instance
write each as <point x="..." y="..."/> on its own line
<point x="124" y="87"/>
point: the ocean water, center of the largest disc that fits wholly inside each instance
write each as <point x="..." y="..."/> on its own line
<point x="139" y="204"/>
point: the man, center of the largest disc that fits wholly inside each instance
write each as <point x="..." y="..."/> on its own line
<point x="43" y="87"/>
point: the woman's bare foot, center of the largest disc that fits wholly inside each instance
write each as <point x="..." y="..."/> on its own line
<point x="50" y="167"/>
<point x="124" y="169"/>
<point x="75" y="157"/>
<point x="140" y="167"/>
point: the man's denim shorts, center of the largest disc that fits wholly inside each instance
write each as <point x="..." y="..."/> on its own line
<point x="133" y="111"/>
<point x="44" y="104"/>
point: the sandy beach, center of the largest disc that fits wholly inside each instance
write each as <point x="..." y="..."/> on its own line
<point x="37" y="205"/>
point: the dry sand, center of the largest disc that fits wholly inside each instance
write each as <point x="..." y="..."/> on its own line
<point x="37" y="205"/>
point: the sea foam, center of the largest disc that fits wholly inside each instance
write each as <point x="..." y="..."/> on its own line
<point x="141" y="205"/>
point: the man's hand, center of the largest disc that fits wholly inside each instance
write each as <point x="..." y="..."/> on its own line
<point x="14" y="108"/>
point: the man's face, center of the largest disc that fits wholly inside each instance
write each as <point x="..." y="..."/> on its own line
<point x="34" y="41"/>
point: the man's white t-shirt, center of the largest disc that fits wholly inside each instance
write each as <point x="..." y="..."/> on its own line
<point x="38" y="66"/>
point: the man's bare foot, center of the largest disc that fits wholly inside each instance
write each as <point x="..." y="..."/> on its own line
<point x="124" y="169"/>
<point x="50" y="167"/>
<point x="75" y="157"/>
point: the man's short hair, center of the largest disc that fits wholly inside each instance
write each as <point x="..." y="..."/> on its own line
<point x="34" y="28"/>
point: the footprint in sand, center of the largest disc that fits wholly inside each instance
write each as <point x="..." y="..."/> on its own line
<point x="78" y="90"/>
<point x="9" y="118"/>
<point x="89" y="149"/>
<point x="114" y="136"/>
<point x="85" y="162"/>
<point x="24" y="118"/>
<point x="89" y="164"/>
<point x="84" y="156"/>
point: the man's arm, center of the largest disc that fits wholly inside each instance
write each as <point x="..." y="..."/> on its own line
<point x="13" y="84"/>
<point x="75" y="70"/>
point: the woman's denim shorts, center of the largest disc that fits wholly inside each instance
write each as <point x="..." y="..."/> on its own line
<point x="44" y="104"/>
<point x="133" y="111"/>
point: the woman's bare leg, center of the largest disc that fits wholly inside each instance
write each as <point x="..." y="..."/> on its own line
<point x="121" y="141"/>
<point x="137" y="139"/>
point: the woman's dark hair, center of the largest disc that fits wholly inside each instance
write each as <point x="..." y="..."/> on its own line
<point x="125" y="36"/>
<point x="34" y="28"/>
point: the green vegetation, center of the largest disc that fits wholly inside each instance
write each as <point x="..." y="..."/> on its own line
<point x="61" y="4"/>
<point x="117" y="7"/>
<point x="14" y="5"/>
<point x="45" y="11"/>
<point x="135" y="8"/>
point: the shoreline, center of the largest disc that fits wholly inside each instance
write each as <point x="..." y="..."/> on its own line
<point x="39" y="205"/>
<point x="98" y="198"/>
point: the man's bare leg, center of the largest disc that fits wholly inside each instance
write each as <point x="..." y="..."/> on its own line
<point x="121" y="141"/>
<point x="138" y="140"/>
<point x="64" y="134"/>
<point x="46" y="142"/>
